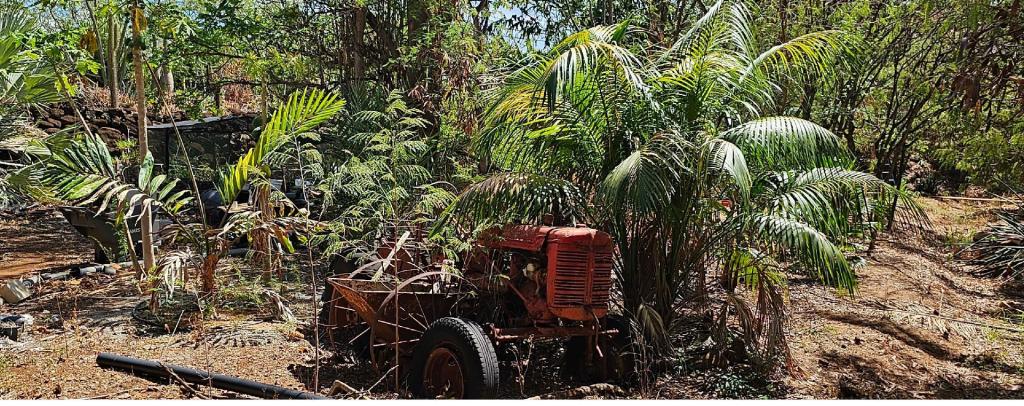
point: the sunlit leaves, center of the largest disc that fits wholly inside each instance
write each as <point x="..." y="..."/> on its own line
<point x="519" y="198"/>
<point x="301" y="113"/>
<point x="80" y="171"/>
<point x="818" y="255"/>
<point x="773" y="143"/>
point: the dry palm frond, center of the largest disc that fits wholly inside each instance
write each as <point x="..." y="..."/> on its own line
<point x="999" y="250"/>
<point x="172" y="269"/>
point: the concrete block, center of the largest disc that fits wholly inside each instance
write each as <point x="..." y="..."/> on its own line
<point x="14" y="291"/>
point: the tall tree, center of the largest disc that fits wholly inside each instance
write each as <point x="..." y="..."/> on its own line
<point x="146" y="217"/>
<point x="112" y="67"/>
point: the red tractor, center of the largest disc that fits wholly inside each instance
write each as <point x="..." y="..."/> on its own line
<point x="442" y="327"/>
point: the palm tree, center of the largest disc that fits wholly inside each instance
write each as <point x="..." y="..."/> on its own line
<point x="668" y="150"/>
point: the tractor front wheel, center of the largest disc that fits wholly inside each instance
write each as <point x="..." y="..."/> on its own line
<point x="455" y="360"/>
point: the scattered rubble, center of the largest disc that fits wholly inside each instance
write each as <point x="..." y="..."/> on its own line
<point x="13" y="326"/>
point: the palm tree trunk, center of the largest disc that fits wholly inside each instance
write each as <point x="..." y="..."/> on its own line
<point x="148" y="260"/>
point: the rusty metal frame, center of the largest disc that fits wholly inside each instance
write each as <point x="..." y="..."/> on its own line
<point x="517" y="333"/>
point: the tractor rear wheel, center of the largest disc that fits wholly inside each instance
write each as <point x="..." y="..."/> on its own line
<point x="454" y="359"/>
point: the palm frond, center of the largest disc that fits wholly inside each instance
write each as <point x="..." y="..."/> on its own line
<point x="816" y="53"/>
<point x="580" y="56"/>
<point x="780" y="143"/>
<point x="302" y="112"/>
<point x="726" y="157"/>
<point x="172" y="268"/>
<point x="516" y="198"/>
<point x="646" y="180"/>
<point x="810" y="248"/>
<point x="81" y="172"/>
<point x="684" y="42"/>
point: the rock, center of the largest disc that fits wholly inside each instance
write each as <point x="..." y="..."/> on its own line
<point x="108" y="133"/>
<point x="14" y="291"/>
<point x="68" y="119"/>
<point x="341" y="388"/>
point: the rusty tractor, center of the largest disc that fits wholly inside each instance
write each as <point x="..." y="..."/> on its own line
<point x="439" y="321"/>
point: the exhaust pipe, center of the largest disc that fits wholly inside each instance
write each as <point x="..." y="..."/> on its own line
<point x="155" y="369"/>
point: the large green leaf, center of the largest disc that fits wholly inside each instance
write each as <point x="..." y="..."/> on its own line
<point x="302" y="112"/>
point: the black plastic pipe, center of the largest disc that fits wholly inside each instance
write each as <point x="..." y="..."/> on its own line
<point x="142" y="367"/>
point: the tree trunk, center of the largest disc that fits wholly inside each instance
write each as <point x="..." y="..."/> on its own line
<point x="358" y="61"/>
<point x="148" y="260"/>
<point x="417" y="16"/>
<point x="166" y="88"/>
<point x="112" y="63"/>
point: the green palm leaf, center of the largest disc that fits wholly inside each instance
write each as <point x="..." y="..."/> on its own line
<point x="778" y="143"/>
<point x="81" y="172"/>
<point x="302" y="112"/>
<point x="810" y="248"/>
<point x="516" y="198"/>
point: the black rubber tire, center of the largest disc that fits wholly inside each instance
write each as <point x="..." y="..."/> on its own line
<point x="472" y="348"/>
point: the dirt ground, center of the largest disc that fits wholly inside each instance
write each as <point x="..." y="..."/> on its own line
<point x="919" y="327"/>
<point x="29" y="242"/>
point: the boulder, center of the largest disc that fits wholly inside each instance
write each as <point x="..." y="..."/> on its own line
<point x="108" y="133"/>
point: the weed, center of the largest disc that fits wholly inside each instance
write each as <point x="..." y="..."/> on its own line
<point x="957" y="239"/>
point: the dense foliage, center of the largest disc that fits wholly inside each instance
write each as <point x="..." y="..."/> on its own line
<point x="728" y="146"/>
